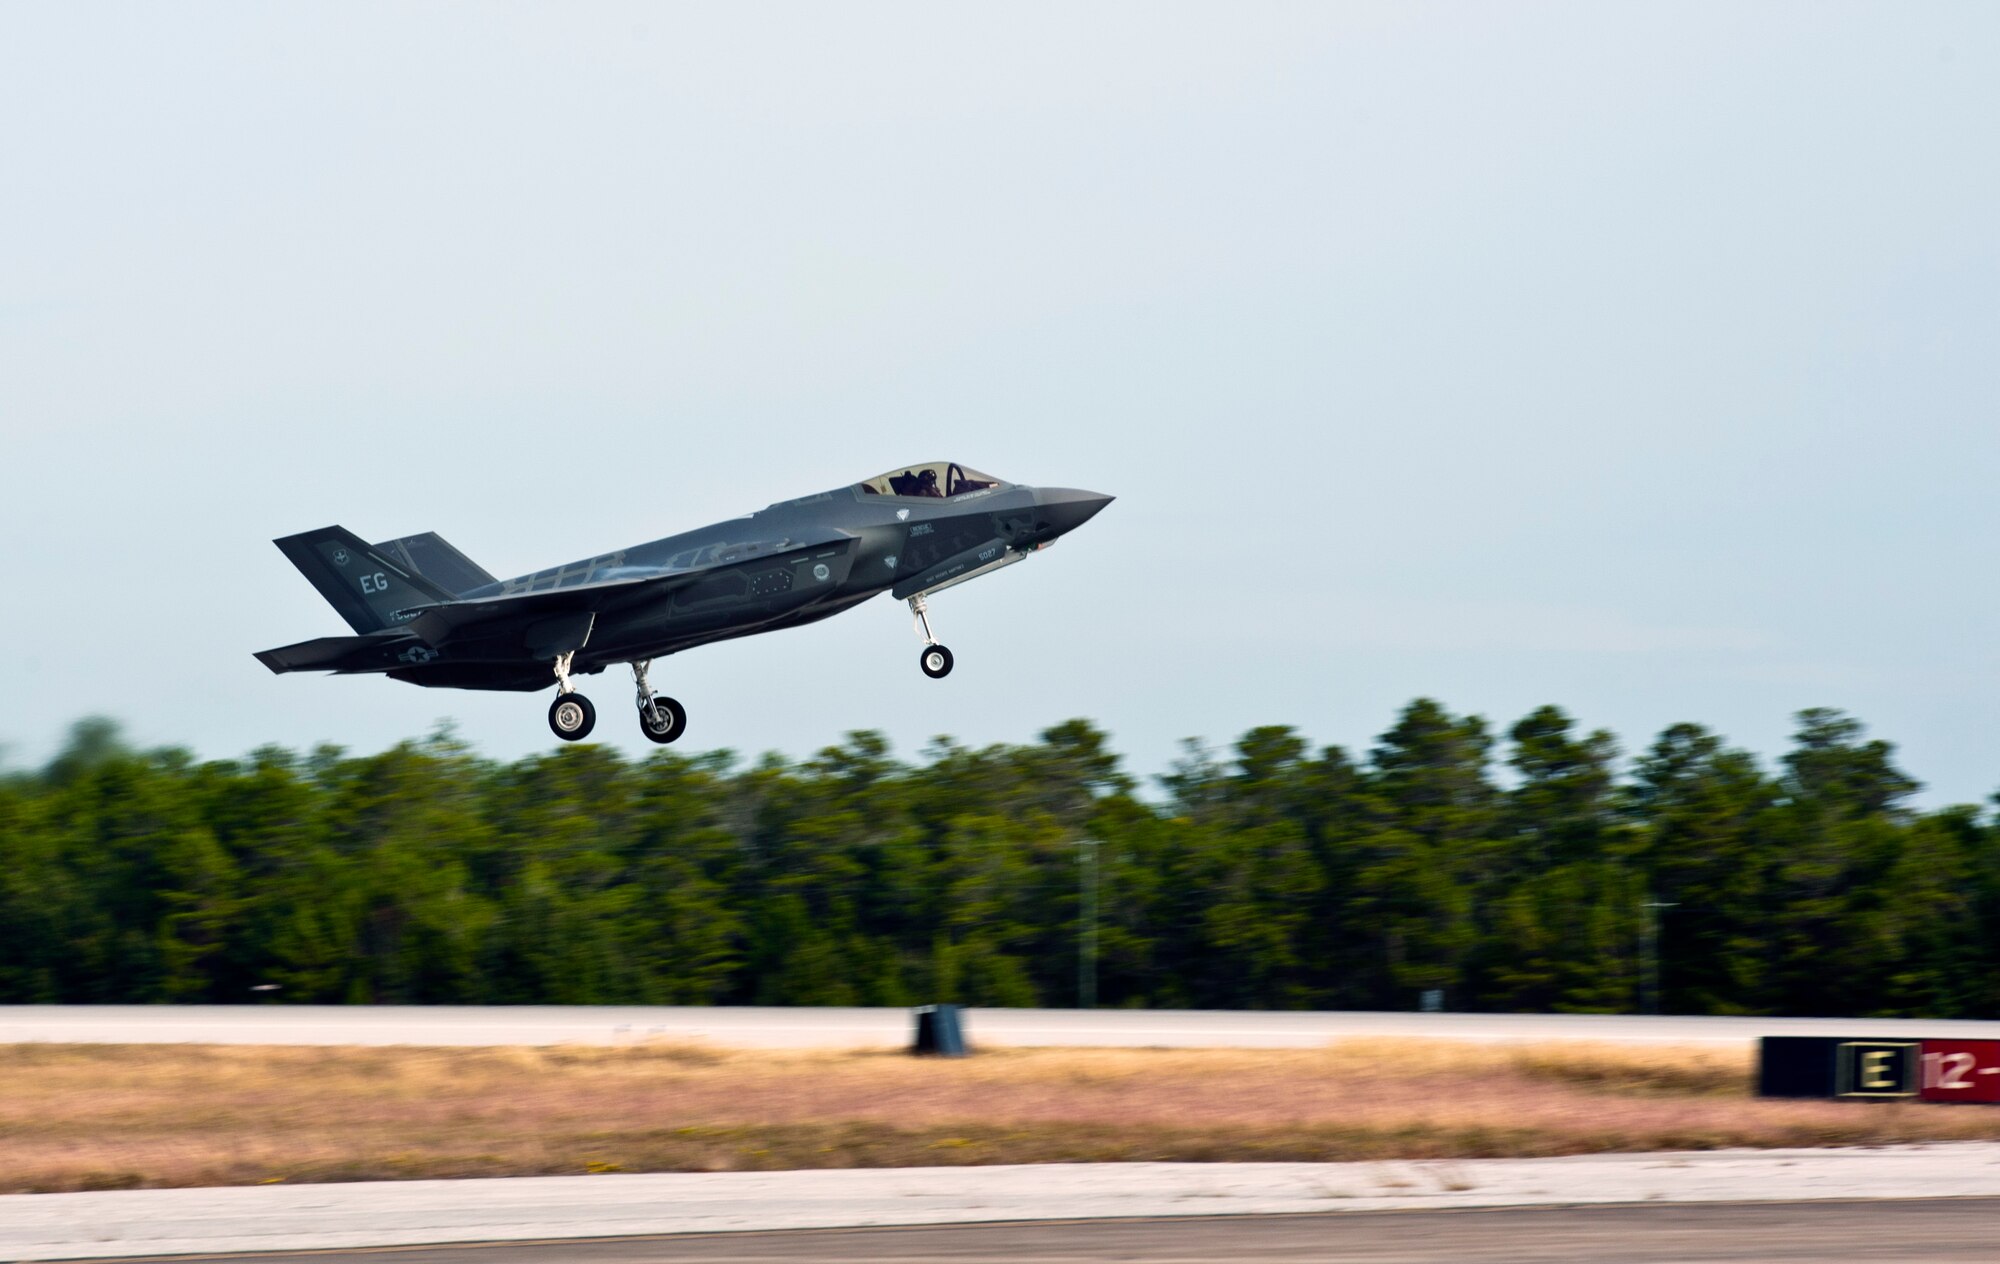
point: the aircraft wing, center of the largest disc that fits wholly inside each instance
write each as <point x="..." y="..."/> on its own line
<point x="539" y="616"/>
<point x="446" y="615"/>
<point x="562" y="601"/>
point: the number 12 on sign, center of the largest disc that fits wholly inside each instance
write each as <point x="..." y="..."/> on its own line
<point x="1961" y="1071"/>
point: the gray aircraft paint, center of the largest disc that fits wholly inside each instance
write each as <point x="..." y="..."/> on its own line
<point x="426" y="614"/>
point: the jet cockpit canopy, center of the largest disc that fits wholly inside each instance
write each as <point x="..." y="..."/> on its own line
<point x="939" y="480"/>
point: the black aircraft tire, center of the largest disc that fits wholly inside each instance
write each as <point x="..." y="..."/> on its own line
<point x="672" y="713"/>
<point x="571" y="717"/>
<point x="936" y="661"/>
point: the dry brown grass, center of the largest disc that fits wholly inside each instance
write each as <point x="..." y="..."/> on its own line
<point x="95" y="1117"/>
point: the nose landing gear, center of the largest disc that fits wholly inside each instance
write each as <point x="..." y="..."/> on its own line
<point x="660" y="719"/>
<point x="571" y="717"/>
<point x="936" y="659"/>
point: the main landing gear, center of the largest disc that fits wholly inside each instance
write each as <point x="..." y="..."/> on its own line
<point x="660" y="719"/>
<point x="936" y="659"/>
<point x="571" y="716"/>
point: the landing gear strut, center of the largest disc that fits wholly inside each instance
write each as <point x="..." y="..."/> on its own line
<point x="660" y="719"/>
<point x="571" y="716"/>
<point x="936" y="659"/>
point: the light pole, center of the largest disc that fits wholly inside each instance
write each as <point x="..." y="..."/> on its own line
<point x="1086" y="942"/>
<point x="1649" y="952"/>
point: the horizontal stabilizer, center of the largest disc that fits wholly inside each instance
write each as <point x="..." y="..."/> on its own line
<point x="381" y="652"/>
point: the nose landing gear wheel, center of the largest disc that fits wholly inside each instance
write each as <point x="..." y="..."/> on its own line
<point x="572" y="717"/>
<point x="664" y="721"/>
<point x="936" y="662"/>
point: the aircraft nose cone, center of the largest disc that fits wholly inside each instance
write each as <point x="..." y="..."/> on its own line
<point x="1066" y="508"/>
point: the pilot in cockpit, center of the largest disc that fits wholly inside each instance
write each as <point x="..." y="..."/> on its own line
<point x="940" y="480"/>
<point x="922" y="482"/>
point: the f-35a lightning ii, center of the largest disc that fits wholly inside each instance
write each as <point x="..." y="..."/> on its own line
<point x="425" y="613"/>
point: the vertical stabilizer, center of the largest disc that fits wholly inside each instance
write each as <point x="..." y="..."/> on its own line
<point x="432" y="556"/>
<point x="364" y="584"/>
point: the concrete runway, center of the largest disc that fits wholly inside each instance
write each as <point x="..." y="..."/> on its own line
<point x="1942" y="1231"/>
<point x="757" y="1028"/>
<point x="698" y="1206"/>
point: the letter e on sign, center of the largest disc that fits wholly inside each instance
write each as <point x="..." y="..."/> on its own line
<point x="1875" y="1068"/>
<point x="1961" y="1071"/>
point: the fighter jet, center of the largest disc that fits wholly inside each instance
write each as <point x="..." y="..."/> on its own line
<point x="425" y="613"/>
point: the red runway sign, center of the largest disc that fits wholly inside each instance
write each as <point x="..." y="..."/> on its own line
<point x="1960" y="1071"/>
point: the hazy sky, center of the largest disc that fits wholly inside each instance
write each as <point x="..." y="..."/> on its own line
<point x="1639" y="359"/>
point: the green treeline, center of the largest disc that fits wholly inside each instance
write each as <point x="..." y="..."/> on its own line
<point x="1518" y="874"/>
